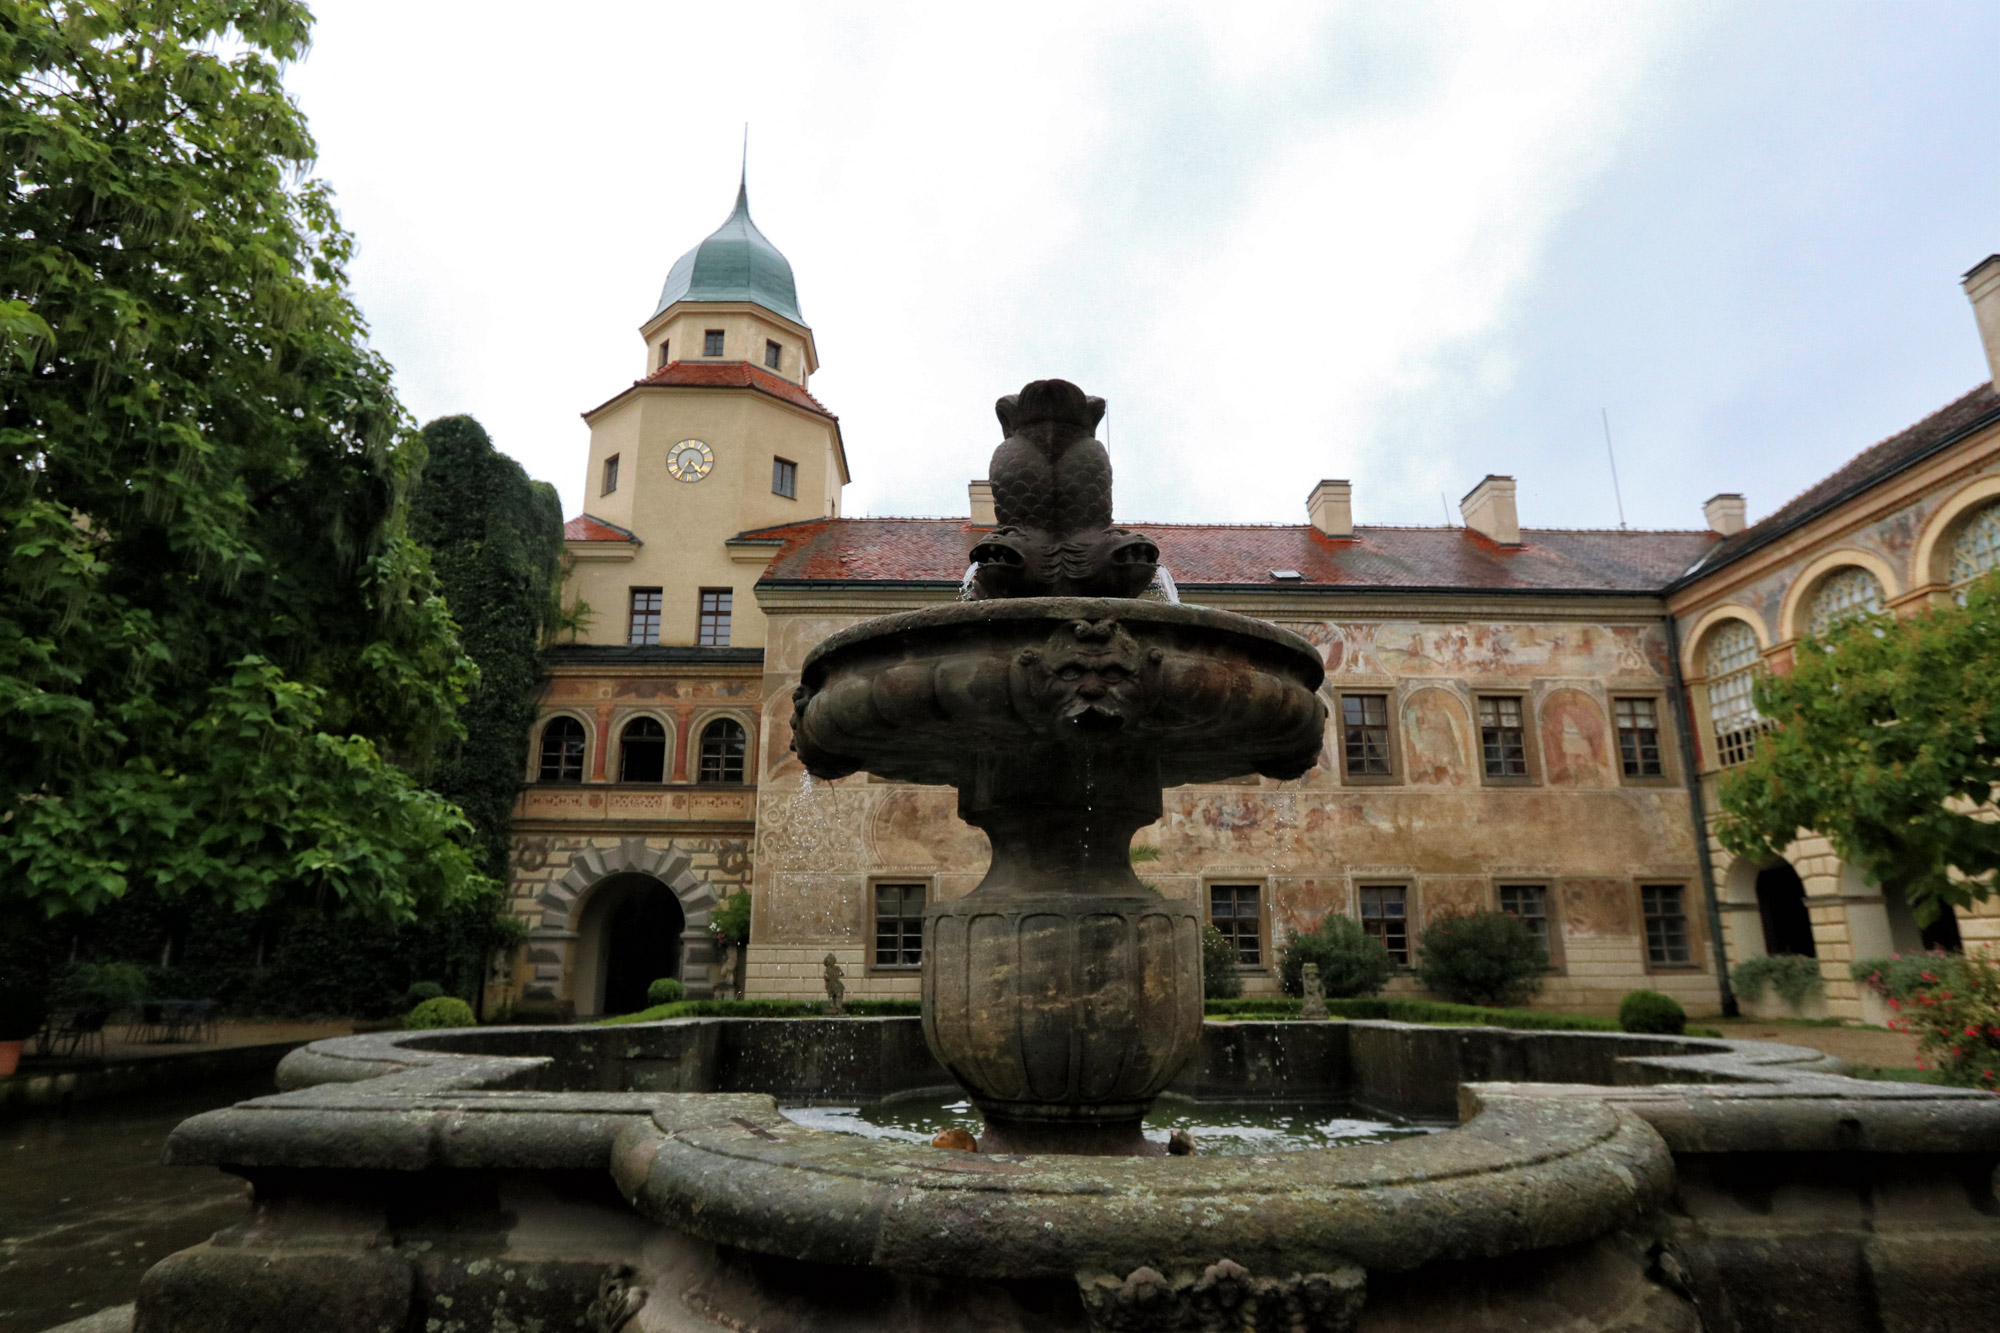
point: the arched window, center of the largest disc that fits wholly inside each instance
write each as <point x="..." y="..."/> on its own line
<point x="1844" y="594"/>
<point x="1976" y="549"/>
<point x="562" y="750"/>
<point x="723" y="742"/>
<point x="1731" y="666"/>
<point x="642" y="751"/>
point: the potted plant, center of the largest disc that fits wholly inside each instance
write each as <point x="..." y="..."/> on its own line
<point x="21" y="1014"/>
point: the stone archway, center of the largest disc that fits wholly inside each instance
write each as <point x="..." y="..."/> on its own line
<point x="553" y="945"/>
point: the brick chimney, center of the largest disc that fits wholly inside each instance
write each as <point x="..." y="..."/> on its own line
<point x="1982" y="284"/>
<point x="1724" y="513"/>
<point x="982" y="504"/>
<point x="1489" y="508"/>
<point x="1330" y="508"/>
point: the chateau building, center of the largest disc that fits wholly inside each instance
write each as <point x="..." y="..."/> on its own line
<point x="1527" y="719"/>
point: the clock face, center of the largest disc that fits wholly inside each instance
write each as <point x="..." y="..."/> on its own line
<point x="690" y="460"/>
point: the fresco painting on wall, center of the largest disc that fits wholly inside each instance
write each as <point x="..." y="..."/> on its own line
<point x="1575" y="747"/>
<point x="1435" y="727"/>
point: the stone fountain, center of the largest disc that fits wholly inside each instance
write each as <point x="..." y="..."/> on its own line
<point x="1061" y="992"/>
<point x="643" y="1178"/>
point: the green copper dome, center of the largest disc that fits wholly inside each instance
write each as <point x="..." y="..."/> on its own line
<point x="736" y="263"/>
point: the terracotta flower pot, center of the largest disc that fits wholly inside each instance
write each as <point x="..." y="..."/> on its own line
<point x="10" y="1057"/>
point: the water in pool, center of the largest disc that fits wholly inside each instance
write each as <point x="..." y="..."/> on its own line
<point x="1219" y="1128"/>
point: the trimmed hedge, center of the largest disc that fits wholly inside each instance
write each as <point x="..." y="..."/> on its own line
<point x="1652" y="1012"/>
<point x="667" y="990"/>
<point x="446" y="1011"/>
<point x="766" y="1009"/>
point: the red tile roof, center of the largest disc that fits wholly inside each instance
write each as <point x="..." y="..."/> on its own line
<point x="1872" y="465"/>
<point x="934" y="550"/>
<point x="586" y="528"/>
<point x="727" y="375"/>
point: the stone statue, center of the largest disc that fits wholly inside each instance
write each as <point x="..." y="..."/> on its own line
<point x="1052" y="499"/>
<point x="836" y="989"/>
<point x="1315" y="1005"/>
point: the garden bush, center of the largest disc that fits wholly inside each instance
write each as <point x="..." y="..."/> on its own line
<point x="1350" y="961"/>
<point x="446" y="1011"/>
<point x="1486" y="958"/>
<point x="1954" y="1012"/>
<point x="1792" y="976"/>
<point x="1650" y="1011"/>
<point x="1219" y="977"/>
<point x="667" y="990"/>
<point x="1899" y="976"/>
<point x="102" y="985"/>
<point x="420" y="991"/>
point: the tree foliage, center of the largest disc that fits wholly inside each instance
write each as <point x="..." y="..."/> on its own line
<point x="215" y="630"/>
<point x="496" y="544"/>
<point x="1886" y="741"/>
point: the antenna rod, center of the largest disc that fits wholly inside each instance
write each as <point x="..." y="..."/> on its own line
<point x="746" y="151"/>
<point x="1442" y="500"/>
<point x="1615" y="493"/>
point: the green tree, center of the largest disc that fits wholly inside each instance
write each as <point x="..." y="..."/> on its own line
<point x="1887" y="741"/>
<point x="495" y="541"/>
<point x="215" y="629"/>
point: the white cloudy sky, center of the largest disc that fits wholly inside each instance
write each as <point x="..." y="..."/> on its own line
<point x="1404" y="243"/>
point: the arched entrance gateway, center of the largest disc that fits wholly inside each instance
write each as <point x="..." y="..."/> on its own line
<point x="620" y="919"/>
<point x="1781" y="906"/>
<point x="628" y="937"/>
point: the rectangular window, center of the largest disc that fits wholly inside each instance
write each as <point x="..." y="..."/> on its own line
<point x="1385" y="914"/>
<point x="711" y="342"/>
<point x="663" y="355"/>
<point x="1503" y="740"/>
<point x="1233" y="909"/>
<point x="899" y="925"/>
<point x="610" y="475"/>
<point x="1529" y="902"/>
<point x="785" y="478"/>
<point x="1364" y="735"/>
<point x="645" y="616"/>
<point x="773" y="354"/>
<point x="1639" y="737"/>
<point x="712" y="631"/>
<point x="1666" y="925"/>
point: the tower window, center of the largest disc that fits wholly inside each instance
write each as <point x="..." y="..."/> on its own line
<point x="610" y="475"/>
<point x="711" y="342"/>
<point x="562" y="750"/>
<point x="642" y="751"/>
<point x="773" y="354"/>
<point x="645" y="624"/>
<point x="664" y="358"/>
<point x="785" y="478"/>
<point x="712" y="630"/>
<point x="723" y="743"/>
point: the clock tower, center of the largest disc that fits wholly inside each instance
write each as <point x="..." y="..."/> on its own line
<point x="718" y="437"/>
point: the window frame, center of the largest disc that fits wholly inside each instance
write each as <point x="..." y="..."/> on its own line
<point x="714" y="338"/>
<point x="1262" y="929"/>
<point x="774" y="355"/>
<point x="608" y="481"/>
<point x="658" y="613"/>
<point x="665" y="360"/>
<point x="1663" y="716"/>
<point x="625" y="724"/>
<point x="1530" y="751"/>
<point x="1550" y="914"/>
<point x="700" y="747"/>
<point x="706" y="621"/>
<point x="535" y="757"/>
<point x="1753" y="722"/>
<point x="1409" y="892"/>
<point x="927" y="884"/>
<point x="1392" y="742"/>
<point x="1690" y="925"/>
<point x="784" y="469"/>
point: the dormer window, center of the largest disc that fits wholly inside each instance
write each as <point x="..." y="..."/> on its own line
<point x="773" y="354"/>
<point x="711" y="342"/>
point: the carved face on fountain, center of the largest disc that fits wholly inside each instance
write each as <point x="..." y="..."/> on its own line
<point x="1091" y="675"/>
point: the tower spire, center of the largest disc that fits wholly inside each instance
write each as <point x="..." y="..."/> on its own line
<point x="743" y="181"/>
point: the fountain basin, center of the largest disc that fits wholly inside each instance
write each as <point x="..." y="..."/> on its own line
<point x="1594" y="1181"/>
